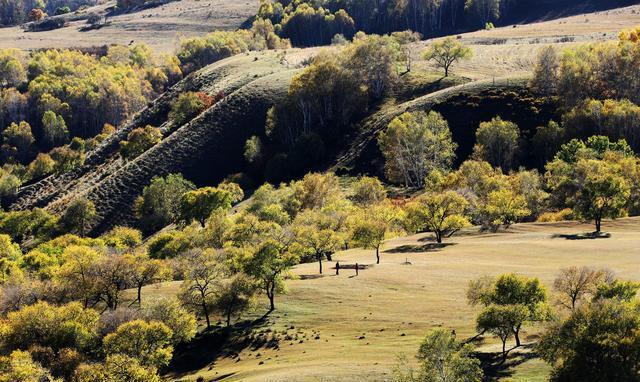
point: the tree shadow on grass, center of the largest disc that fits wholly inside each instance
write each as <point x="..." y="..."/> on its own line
<point x="429" y="247"/>
<point x="221" y="342"/>
<point x="583" y="236"/>
<point x="493" y="367"/>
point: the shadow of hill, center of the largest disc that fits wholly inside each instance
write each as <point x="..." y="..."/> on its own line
<point x="429" y="247"/>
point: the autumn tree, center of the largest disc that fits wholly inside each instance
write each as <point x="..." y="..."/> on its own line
<point x="440" y="213"/>
<point x="503" y="207"/>
<point x="370" y="228"/>
<point x="182" y="323"/>
<point x="203" y="272"/>
<point x="545" y="75"/>
<point x="497" y="142"/>
<point x="19" y="366"/>
<point x="140" y="140"/>
<point x="415" y="144"/>
<point x="574" y="284"/>
<point x="147" y="342"/>
<point x="116" y="368"/>
<point x="447" y="52"/>
<point x="316" y="235"/>
<point x="199" y="204"/>
<point x="368" y="191"/>
<point x="146" y="271"/>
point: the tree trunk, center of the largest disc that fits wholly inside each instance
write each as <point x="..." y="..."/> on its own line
<point x="438" y="237"/>
<point x="446" y="71"/>
<point x="378" y="255"/>
<point x="320" y="263"/>
<point x="228" y="318"/>
<point x="271" y="295"/>
<point x="139" y="295"/>
<point x="516" y="334"/>
<point x="504" y="351"/>
<point x="598" y="224"/>
<point x="205" y="311"/>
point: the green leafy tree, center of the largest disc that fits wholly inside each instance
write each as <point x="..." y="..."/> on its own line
<point x="54" y="129"/>
<point x="502" y="321"/>
<point x="79" y="216"/>
<point x="415" y="144"/>
<point x="618" y="290"/>
<point x="147" y="342"/>
<point x="447" y="52"/>
<point x="268" y="265"/>
<point x="497" y="142"/>
<point x="595" y="189"/>
<point x="235" y="297"/>
<point x="159" y="204"/>
<point x="513" y="292"/>
<point x="597" y="342"/>
<point x="440" y="213"/>
<point x="370" y="228"/>
<point x="444" y="359"/>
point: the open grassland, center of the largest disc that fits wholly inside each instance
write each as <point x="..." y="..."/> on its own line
<point x="512" y="50"/>
<point x="160" y="27"/>
<point x="352" y="328"/>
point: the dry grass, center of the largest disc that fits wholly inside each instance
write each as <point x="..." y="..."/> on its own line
<point x="159" y="27"/>
<point x="512" y="50"/>
<point x="363" y="322"/>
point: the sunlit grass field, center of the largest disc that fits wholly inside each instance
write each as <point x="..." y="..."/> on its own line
<point x="350" y="328"/>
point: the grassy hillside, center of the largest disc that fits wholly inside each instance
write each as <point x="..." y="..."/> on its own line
<point x="160" y="27"/>
<point x="338" y="328"/>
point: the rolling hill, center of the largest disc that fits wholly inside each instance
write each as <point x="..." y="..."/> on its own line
<point x="209" y="148"/>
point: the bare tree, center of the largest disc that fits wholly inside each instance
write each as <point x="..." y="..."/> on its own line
<point x="574" y="284"/>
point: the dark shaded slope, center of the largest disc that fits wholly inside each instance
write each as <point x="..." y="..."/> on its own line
<point x="464" y="107"/>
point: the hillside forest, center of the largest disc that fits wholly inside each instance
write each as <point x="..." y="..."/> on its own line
<point x="74" y="302"/>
